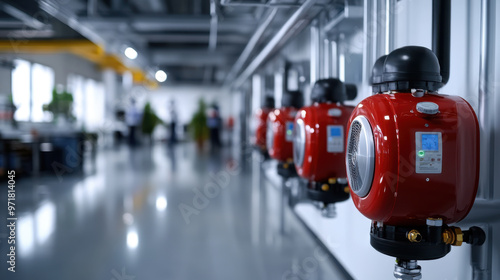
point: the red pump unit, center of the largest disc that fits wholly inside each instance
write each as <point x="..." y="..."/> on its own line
<point x="280" y="132"/>
<point x="413" y="161"/>
<point x="261" y="117"/>
<point x="319" y="137"/>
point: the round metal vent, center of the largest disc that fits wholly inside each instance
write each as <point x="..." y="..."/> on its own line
<point x="269" y="135"/>
<point x="360" y="156"/>
<point x="299" y="142"/>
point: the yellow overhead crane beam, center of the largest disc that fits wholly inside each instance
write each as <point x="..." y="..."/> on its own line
<point x="83" y="48"/>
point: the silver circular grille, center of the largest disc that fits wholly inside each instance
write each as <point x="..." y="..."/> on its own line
<point x="269" y="135"/>
<point x="299" y="142"/>
<point x="360" y="156"/>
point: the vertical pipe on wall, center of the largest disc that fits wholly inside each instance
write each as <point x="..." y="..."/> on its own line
<point x="326" y="58"/>
<point x="279" y="85"/>
<point x="487" y="110"/>
<point x="369" y="56"/>
<point x="315" y="43"/>
<point x="481" y="257"/>
<point x="258" y="88"/>
<point x="333" y="59"/>
<point x="390" y="25"/>
<point x="441" y="24"/>
<point x="380" y="28"/>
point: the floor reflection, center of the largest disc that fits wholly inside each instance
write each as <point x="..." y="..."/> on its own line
<point x="126" y="216"/>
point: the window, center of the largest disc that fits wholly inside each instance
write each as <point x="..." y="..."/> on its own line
<point x="32" y="85"/>
<point x="42" y="81"/>
<point x="88" y="96"/>
<point x="21" y="90"/>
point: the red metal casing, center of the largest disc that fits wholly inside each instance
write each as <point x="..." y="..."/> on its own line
<point x="281" y="122"/>
<point x="260" y="132"/>
<point x="399" y="195"/>
<point x="319" y="164"/>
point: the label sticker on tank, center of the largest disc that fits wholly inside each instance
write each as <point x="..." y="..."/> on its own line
<point x="289" y="132"/>
<point x="429" y="152"/>
<point x="334" y="138"/>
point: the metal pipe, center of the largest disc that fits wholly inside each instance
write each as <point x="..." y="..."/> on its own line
<point x="92" y="8"/>
<point x="486" y="97"/>
<point x="481" y="256"/>
<point x="315" y="56"/>
<point x="390" y="25"/>
<point x="483" y="211"/>
<point x="294" y="24"/>
<point x="212" y="41"/>
<point x="380" y="34"/>
<point x="22" y="16"/>
<point x="327" y="60"/>
<point x="254" y="4"/>
<point x="369" y="56"/>
<point x="441" y="21"/>
<point x="254" y="40"/>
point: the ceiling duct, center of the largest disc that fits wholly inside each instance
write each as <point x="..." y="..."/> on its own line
<point x="299" y="20"/>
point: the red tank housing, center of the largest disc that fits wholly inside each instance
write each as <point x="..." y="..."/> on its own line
<point x="280" y="133"/>
<point x="404" y="191"/>
<point x="322" y="161"/>
<point x="260" y="132"/>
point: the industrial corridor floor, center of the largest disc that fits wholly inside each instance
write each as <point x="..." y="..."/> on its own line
<point x="158" y="213"/>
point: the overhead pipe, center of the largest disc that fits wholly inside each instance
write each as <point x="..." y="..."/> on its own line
<point x="286" y="31"/>
<point x="92" y="8"/>
<point x="254" y="40"/>
<point x="441" y="21"/>
<point x="269" y="3"/>
<point x="22" y="16"/>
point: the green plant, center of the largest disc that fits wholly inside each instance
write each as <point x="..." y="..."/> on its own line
<point x="149" y="120"/>
<point x="61" y="104"/>
<point x="198" y="125"/>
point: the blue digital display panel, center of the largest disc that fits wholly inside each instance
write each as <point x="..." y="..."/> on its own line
<point x="430" y="142"/>
<point x="289" y="128"/>
<point x="335" y="132"/>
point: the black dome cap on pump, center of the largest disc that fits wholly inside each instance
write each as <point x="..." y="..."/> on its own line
<point x="412" y="67"/>
<point x="332" y="90"/>
<point x="377" y="72"/>
<point x="268" y="102"/>
<point x="292" y="99"/>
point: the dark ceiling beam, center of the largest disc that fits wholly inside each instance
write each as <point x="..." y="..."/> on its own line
<point x="171" y="23"/>
<point x="191" y="57"/>
<point x="235" y="39"/>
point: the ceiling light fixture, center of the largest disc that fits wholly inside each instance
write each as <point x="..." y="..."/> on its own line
<point x="161" y="76"/>
<point x="130" y="53"/>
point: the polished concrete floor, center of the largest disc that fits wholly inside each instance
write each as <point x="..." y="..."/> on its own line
<point x="159" y="213"/>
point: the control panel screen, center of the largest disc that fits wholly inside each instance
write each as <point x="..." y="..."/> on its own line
<point x="289" y="131"/>
<point x="335" y="131"/>
<point x="430" y="142"/>
<point x="335" y="139"/>
<point x="428" y="152"/>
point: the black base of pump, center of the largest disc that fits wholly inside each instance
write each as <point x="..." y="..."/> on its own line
<point x="286" y="170"/>
<point x="428" y="242"/>
<point x="262" y="151"/>
<point x="393" y="241"/>
<point x="335" y="192"/>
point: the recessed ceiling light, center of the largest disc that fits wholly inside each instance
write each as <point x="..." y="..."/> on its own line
<point x="130" y="53"/>
<point x="161" y="76"/>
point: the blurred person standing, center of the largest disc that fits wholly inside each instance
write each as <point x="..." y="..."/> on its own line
<point x="173" y="123"/>
<point x="132" y="118"/>
<point x="214" y="123"/>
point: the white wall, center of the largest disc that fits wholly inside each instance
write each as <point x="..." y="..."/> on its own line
<point x="347" y="236"/>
